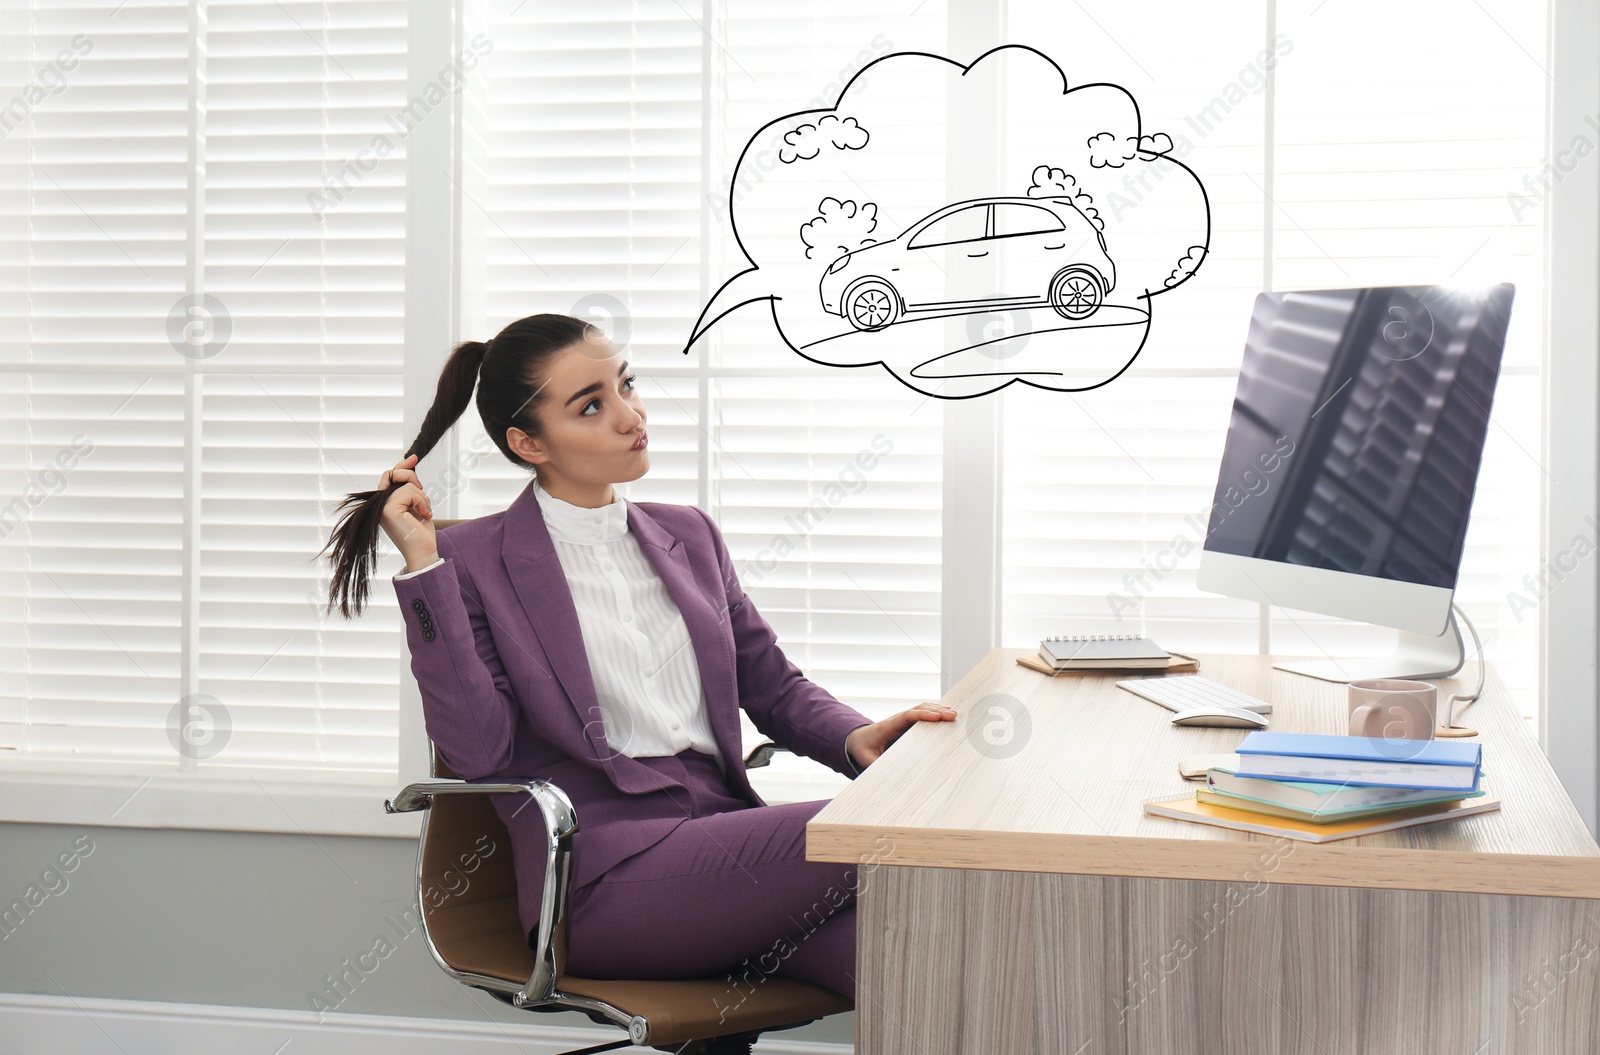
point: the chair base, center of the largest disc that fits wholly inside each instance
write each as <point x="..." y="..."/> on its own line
<point x="737" y="1044"/>
<point x="614" y="1045"/>
<point x="732" y="1044"/>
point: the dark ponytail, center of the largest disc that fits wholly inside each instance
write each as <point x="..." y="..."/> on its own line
<point x="508" y="373"/>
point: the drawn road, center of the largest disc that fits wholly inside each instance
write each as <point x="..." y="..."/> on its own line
<point x="1034" y="343"/>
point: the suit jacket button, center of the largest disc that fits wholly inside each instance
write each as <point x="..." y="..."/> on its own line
<point x="417" y="604"/>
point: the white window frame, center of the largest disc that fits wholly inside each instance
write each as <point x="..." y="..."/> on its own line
<point x="148" y="796"/>
<point x="1569" y="730"/>
<point x="971" y="584"/>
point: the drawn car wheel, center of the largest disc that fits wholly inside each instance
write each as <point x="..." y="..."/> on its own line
<point x="1076" y="293"/>
<point x="871" y="305"/>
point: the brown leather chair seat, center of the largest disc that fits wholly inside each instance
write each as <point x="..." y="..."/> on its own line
<point x="474" y="932"/>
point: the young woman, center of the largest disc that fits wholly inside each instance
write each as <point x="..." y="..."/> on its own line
<point x="605" y="646"/>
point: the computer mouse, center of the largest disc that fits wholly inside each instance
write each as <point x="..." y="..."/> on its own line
<point x="1220" y="717"/>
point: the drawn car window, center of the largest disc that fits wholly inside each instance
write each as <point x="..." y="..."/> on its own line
<point x="963" y="225"/>
<point x="1016" y="218"/>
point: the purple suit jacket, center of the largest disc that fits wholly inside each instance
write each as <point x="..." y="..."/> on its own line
<point x="507" y="692"/>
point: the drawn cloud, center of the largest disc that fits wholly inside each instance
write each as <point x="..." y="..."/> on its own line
<point x="1051" y="182"/>
<point x="814" y="199"/>
<point x="1108" y="150"/>
<point x="1187" y="265"/>
<point x="1160" y="143"/>
<point x="808" y="140"/>
<point x="838" y="228"/>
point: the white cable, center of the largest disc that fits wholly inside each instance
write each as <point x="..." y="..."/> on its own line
<point x="1449" y="724"/>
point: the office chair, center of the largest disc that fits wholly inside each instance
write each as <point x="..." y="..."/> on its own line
<point x="476" y="936"/>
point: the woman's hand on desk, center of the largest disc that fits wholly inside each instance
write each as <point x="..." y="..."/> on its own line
<point x="869" y="741"/>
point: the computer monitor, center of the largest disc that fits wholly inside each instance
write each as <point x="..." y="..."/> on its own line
<point x="1351" y="460"/>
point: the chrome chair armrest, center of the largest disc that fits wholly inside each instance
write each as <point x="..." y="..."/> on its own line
<point x="762" y="754"/>
<point x="561" y="823"/>
<point x="419" y="795"/>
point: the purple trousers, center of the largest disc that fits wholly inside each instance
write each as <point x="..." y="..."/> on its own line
<point x="728" y="894"/>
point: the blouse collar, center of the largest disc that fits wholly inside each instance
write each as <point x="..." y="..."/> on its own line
<point x="586" y="527"/>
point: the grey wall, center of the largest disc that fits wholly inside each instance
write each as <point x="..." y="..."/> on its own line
<point x="235" y="918"/>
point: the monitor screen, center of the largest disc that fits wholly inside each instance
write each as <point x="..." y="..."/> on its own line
<point x="1357" y="429"/>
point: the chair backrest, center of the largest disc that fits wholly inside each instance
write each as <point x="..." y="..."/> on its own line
<point x="471" y="917"/>
<point x="469" y="887"/>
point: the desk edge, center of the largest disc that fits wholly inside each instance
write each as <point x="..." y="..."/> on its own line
<point x="1252" y="860"/>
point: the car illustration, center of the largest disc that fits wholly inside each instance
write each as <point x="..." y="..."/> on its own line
<point x="977" y="255"/>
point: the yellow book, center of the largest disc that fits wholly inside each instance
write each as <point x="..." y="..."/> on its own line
<point x="1188" y="808"/>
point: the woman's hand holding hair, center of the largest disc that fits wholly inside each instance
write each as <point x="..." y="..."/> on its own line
<point x="869" y="741"/>
<point x="408" y="515"/>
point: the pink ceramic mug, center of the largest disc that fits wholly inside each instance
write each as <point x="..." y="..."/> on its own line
<point x="1394" y="709"/>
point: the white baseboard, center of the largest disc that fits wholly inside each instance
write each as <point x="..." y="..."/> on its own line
<point x="49" y="1025"/>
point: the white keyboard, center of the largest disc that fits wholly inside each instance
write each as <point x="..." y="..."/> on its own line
<point x="1182" y="692"/>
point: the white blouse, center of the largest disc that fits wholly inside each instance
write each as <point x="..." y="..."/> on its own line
<point x="638" y="646"/>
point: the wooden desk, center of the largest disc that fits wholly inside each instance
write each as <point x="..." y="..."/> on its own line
<point x="1013" y="897"/>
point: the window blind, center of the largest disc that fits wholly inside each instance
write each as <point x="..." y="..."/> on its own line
<point x="160" y="507"/>
<point x="93" y="243"/>
<point x="1406" y="172"/>
<point x="305" y="231"/>
<point x="608" y="127"/>
<point x="1390" y="163"/>
<point x="174" y="567"/>
<point x="845" y="465"/>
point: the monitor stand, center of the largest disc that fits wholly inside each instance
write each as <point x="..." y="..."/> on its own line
<point x="1415" y="656"/>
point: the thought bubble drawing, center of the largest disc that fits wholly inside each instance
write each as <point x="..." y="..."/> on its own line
<point x="965" y="253"/>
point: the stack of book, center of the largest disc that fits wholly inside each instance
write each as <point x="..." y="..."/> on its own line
<point x="1319" y="788"/>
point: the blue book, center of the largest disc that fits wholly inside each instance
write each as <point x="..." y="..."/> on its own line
<point x="1361" y="761"/>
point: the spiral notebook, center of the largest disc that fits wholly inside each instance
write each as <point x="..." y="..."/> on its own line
<point x="1102" y="652"/>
